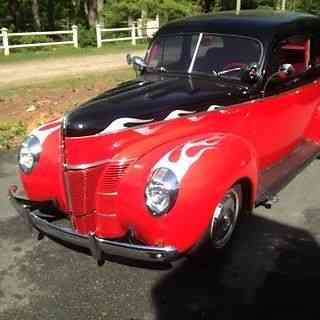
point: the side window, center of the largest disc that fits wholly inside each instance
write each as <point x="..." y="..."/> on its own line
<point x="295" y="51"/>
<point x="155" y="54"/>
<point x="316" y="50"/>
<point x="172" y="50"/>
<point x="167" y="51"/>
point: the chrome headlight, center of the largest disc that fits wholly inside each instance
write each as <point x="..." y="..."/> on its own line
<point x="161" y="191"/>
<point x="29" y="153"/>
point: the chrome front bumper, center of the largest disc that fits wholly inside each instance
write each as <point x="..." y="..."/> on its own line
<point x="98" y="247"/>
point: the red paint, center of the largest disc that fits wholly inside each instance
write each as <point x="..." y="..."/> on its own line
<point x="254" y="136"/>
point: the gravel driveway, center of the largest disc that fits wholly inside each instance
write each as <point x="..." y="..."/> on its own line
<point x="271" y="269"/>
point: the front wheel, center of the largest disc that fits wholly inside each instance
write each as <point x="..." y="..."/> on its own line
<point x="221" y="227"/>
<point x="225" y="218"/>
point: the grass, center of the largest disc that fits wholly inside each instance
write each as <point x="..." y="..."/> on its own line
<point x="112" y="79"/>
<point x="11" y="134"/>
<point x="23" y="55"/>
<point x="77" y="89"/>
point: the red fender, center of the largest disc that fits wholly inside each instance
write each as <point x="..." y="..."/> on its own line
<point x="222" y="158"/>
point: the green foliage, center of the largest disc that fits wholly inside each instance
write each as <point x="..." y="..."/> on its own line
<point x="117" y="13"/>
<point x="266" y="4"/>
<point x="172" y="9"/>
<point x="11" y="134"/>
<point x="31" y="40"/>
<point x="87" y="37"/>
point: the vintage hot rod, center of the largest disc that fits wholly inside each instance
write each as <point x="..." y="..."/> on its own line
<point x="224" y="111"/>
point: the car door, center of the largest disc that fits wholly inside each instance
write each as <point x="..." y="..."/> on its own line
<point x="282" y="116"/>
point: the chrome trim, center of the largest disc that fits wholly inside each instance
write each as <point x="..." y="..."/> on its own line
<point x="36" y="156"/>
<point x="67" y="190"/>
<point x="170" y="183"/>
<point x="195" y="53"/>
<point x="107" y="193"/>
<point x="220" y="214"/>
<point x="65" y="179"/>
<point x="85" y="166"/>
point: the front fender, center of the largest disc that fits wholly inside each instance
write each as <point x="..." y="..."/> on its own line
<point x="206" y="166"/>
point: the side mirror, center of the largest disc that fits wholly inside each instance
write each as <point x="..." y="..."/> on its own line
<point x="250" y="74"/>
<point x="137" y="62"/>
<point x="286" y="70"/>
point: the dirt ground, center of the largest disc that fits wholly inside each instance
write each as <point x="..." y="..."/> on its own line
<point x="38" y="91"/>
<point x="33" y="71"/>
<point x="36" y="105"/>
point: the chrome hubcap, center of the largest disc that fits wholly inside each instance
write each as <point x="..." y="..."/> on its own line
<point x="224" y="219"/>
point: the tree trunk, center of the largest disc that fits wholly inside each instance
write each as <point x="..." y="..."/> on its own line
<point x="206" y="5"/>
<point x="35" y="13"/>
<point x="14" y="12"/>
<point x="50" y="14"/>
<point x="92" y="12"/>
<point x="100" y="7"/>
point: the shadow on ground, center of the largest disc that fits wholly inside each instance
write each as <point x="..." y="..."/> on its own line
<point x="270" y="270"/>
<point x="6" y="160"/>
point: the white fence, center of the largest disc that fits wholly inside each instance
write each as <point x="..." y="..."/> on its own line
<point x="134" y="33"/>
<point x="5" y="35"/>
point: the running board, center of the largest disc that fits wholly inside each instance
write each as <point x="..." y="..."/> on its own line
<point x="274" y="179"/>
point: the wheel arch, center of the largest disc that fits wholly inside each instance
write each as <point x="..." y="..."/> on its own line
<point x="247" y="188"/>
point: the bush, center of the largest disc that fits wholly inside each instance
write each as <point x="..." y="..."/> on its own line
<point x="11" y="134"/>
<point x="31" y="40"/>
<point x="87" y="37"/>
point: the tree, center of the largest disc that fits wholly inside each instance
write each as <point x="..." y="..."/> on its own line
<point x="51" y="14"/>
<point x="206" y="5"/>
<point x="30" y="15"/>
<point x="14" y="12"/>
<point x="100" y="9"/>
<point x="92" y="14"/>
<point x="35" y="13"/>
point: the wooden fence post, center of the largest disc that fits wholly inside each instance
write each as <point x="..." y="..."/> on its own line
<point x="99" y="39"/>
<point x="75" y="36"/>
<point x="5" y="41"/>
<point x="133" y="34"/>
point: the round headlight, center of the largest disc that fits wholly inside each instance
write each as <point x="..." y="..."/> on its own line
<point x="29" y="153"/>
<point x="161" y="191"/>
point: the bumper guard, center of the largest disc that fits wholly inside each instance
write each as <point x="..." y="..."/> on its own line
<point x="97" y="246"/>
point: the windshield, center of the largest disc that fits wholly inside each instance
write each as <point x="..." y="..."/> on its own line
<point x="219" y="55"/>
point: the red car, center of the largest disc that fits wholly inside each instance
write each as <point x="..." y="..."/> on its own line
<point x="225" y="110"/>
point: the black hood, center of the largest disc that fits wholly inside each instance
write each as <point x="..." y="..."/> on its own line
<point x="149" y="98"/>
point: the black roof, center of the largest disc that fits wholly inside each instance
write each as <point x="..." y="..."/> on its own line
<point x="261" y="24"/>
